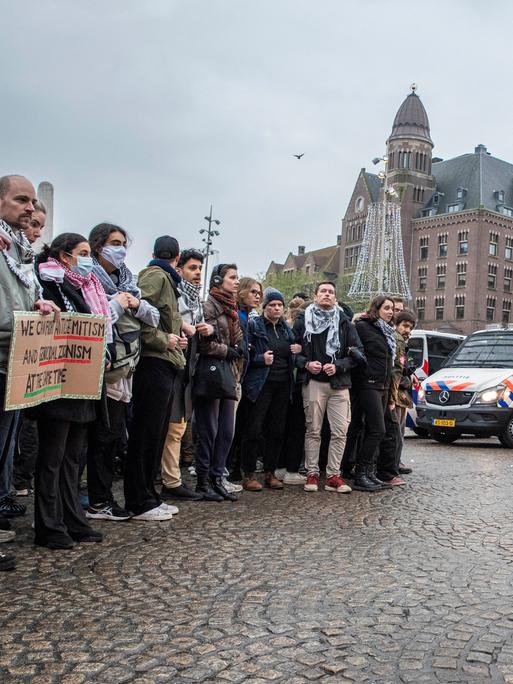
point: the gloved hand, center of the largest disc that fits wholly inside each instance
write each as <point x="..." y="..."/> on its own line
<point x="233" y="353"/>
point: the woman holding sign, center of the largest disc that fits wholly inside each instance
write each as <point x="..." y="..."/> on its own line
<point x="65" y="273"/>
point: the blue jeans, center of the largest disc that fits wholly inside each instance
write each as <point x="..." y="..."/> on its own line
<point x="8" y="423"/>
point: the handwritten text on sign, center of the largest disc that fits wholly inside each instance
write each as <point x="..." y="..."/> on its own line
<point x="51" y="359"/>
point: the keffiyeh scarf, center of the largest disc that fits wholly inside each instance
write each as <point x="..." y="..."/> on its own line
<point x="25" y="253"/>
<point x="317" y="320"/>
<point x="389" y="333"/>
<point x="191" y="302"/>
<point x="126" y="280"/>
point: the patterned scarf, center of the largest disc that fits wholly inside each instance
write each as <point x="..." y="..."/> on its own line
<point x="126" y="280"/>
<point x="229" y="305"/>
<point x="91" y="288"/>
<point x="389" y="333"/>
<point x="190" y="301"/>
<point x="317" y="320"/>
<point x="24" y="252"/>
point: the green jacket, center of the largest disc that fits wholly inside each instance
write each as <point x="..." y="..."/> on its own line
<point x="158" y="288"/>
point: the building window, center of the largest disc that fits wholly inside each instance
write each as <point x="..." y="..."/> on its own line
<point x="430" y="211"/>
<point x="463" y="242"/>
<point x="459" y="305"/>
<point x="490" y="308"/>
<point x="453" y="208"/>
<point x="508" y="278"/>
<point x="359" y="205"/>
<point x="442" y="245"/>
<point x="460" y="193"/>
<point x="441" y="271"/>
<point x="422" y="277"/>
<point x="507" y="211"/>
<point x="493" y="246"/>
<point x="420" y="305"/>
<point x="436" y="198"/>
<point x="439" y="308"/>
<point x="424" y="248"/>
<point x="461" y="274"/>
<point x="506" y="311"/>
<point x="508" y="252"/>
<point x="492" y="276"/>
<point x="499" y="196"/>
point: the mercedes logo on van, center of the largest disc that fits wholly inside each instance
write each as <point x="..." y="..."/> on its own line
<point x="444" y="396"/>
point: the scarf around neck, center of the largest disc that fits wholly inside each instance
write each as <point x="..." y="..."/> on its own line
<point x="317" y="320"/>
<point x="389" y="333"/>
<point x="25" y="255"/>
<point x="190" y="299"/>
<point x="164" y="265"/>
<point x="230" y="309"/>
<point x="91" y="288"/>
<point x="126" y="281"/>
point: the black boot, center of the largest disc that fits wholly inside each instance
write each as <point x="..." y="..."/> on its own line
<point x="372" y="476"/>
<point x="203" y="487"/>
<point x="219" y="488"/>
<point x="363" y="483"/>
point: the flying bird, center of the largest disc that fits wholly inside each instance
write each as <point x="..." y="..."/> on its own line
<point x="298" y="156"/>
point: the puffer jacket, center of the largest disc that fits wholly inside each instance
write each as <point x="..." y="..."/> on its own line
<point x="378" y="371"/>
<point x="257" y="372"/>
<point x="217" y="344"/>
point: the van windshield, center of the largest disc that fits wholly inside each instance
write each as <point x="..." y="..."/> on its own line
<point x="494" y="350"/>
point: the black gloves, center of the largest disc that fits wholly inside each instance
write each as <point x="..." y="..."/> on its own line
<point x="234" y="353"/>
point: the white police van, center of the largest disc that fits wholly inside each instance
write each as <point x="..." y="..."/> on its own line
<point x="427" y="352"/>
<point x="473" y="393"/>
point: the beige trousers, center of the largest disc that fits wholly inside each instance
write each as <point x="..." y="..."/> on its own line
<point x="170" y="464"/>
<point x="319" y="398"/>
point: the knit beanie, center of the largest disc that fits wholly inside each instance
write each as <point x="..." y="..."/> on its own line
<point x="271" y="294"/>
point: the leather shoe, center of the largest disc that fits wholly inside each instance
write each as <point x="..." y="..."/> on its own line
<point x="272" y="481"/>
<point x="251" y="484"/>
<point x="181" y="492"/>
<point x="378" y="481"/>
<point x="404" y="469"/>
<point x="363" y="483"/>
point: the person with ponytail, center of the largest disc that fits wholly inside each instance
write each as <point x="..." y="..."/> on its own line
<point x="371" y="387"/>
<point x="65" y="272"/>
<point x="215" y="417"/>
<point x="128" y="310"/>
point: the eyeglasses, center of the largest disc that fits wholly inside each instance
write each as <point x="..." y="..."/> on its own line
<point x="257" y="293"/>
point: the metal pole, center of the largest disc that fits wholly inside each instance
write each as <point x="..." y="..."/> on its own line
<point x="381" y="271"/>
<point x="208" y="252"/>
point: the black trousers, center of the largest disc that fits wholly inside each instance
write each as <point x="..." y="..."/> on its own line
<point x="354" y="435"/>
<point x="293" y="445"/>
<point x="234" y="464"/>
<point x="26" y="453"/>
<point x="373" y="404"/>
<point x="58" y="514"/>
<point x="267" y="419"/>
<point x="387" y="465"/>
<point x="103" y="447"/>
<point x="151" y="401"/>
<point x="214" y="421"/>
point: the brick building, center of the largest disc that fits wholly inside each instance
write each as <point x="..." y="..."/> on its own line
<point x="457" y="226"/>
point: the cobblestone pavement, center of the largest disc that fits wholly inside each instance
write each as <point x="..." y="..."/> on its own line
<point x="408" y="585"/>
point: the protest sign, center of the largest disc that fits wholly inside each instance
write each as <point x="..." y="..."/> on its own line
<point x="54" y="359"/>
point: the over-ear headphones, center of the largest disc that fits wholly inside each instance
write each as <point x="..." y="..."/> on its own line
<point x="216" y="278"/>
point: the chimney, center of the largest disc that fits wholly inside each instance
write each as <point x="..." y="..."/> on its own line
<point x="301" y="250"/>
<point x="480" y="149"/>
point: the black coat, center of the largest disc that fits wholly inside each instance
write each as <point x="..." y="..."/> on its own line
<point x="377" y="373"/>
<point x="72" y="410"/>
<point x="344" y="362"/>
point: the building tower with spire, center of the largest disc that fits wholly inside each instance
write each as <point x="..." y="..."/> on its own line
<point x="409" y="153"/>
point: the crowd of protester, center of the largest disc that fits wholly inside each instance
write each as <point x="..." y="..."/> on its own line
<point x="198" y="396"/>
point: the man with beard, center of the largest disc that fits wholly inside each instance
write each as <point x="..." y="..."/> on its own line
<point x="18" y="292"/>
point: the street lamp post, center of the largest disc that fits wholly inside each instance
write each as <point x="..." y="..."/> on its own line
<point x="210" y="234"/>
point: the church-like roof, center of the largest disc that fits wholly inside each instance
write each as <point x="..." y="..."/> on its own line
<point x="411" y="120"/>
<point x="471" y="181"/>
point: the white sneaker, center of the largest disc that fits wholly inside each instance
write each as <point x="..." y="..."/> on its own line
<point x="231" y="486"/>
<point x="154" y="515"/>
<point x="280" y="473"/>
<point x="293" y="479"/>
<point x="167" y="507"/>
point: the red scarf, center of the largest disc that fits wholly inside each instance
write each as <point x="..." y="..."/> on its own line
<point x="230" y="309"/>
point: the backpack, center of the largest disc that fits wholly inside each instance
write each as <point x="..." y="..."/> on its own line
<point x="125" y="349"/>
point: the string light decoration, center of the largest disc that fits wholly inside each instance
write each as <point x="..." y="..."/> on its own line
<point x="380" y="267"/>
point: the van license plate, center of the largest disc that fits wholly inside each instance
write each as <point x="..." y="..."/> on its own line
<point x="439" y="422"/>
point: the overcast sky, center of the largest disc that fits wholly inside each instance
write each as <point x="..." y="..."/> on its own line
<point x="143" y="112"/>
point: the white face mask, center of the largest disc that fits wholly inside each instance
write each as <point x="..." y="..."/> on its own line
<point x="114" y="255"/>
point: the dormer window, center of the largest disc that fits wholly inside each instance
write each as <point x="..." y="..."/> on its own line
<point x="460" y="193"/>
<point x="452" y="208"/>
<point x="507" y="211"/>
<point x="499" y="195"/>
<point x="435" y="199"/>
